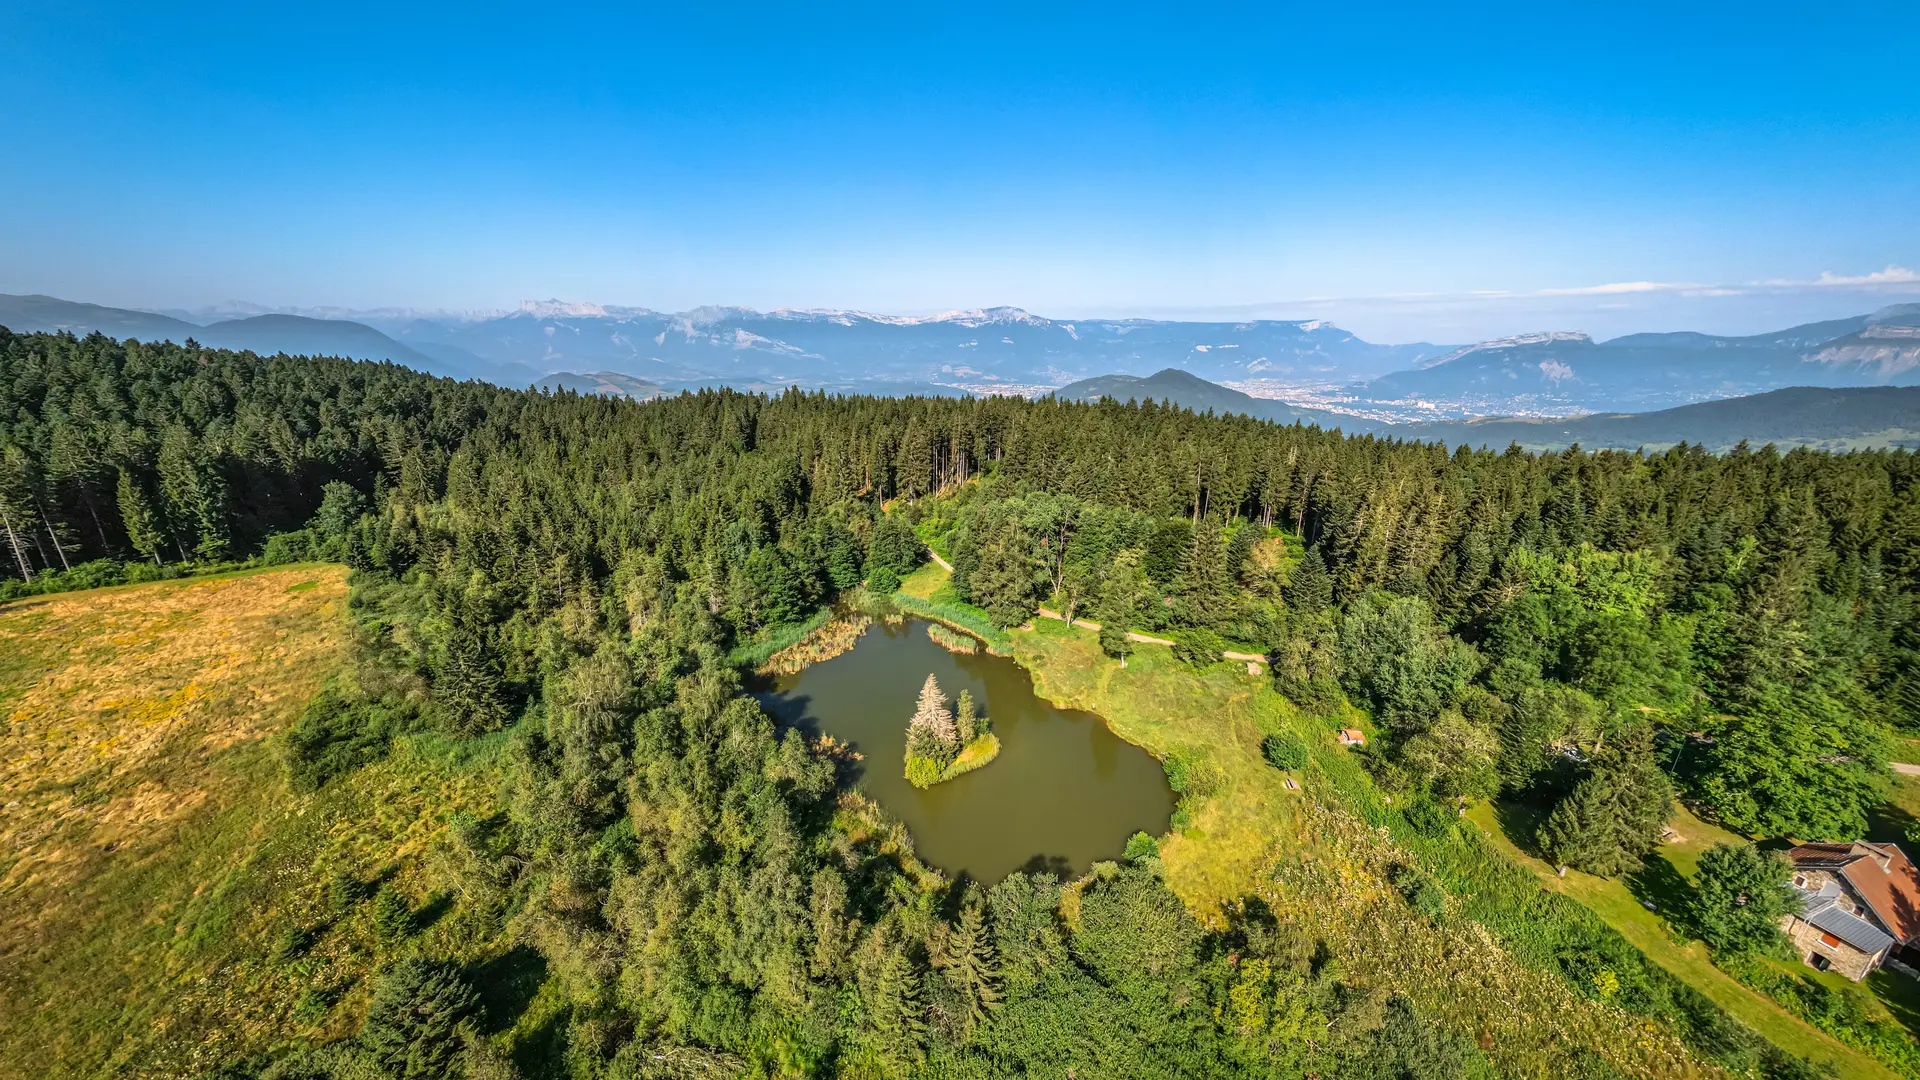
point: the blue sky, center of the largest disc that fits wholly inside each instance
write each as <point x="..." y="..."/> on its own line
<point x="1420" y="172"/>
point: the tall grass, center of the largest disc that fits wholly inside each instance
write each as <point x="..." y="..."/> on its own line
<point x="943" y="606"/>
<point x="771" y="639"/>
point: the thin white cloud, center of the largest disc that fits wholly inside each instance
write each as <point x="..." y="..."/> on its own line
<point x="1892" y="275"/>
<point x="1616" y="288"/>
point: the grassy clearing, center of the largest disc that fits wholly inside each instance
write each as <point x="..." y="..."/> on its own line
<point x="1320" y="857"/>
<point x="155" y="857"/>
<point x="977" y="753"/>
<point x="1687" y="960"/>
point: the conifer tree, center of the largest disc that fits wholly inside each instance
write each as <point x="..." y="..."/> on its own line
<point x="1204" y="580"/>
<point x="1613" y="816"/>
<point x="971" y="964"/>
<point x="413" y="1026"/>
<point x="1120" y="598"/>
<point x="1311" y="589"/>
<point x="1741" y="895"/>
<point x="930" y="732"/>
<point x="894" y="1009"/>
<point x="965" y="722"/>
<point x="136" y="517"/>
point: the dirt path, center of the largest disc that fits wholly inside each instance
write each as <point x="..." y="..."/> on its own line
<point x="1252" y="658"/>
<point x="1147" y="638"/>
<point x="1904" y="769"/>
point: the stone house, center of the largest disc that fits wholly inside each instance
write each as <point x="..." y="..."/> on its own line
<point x="1859" y="904"/>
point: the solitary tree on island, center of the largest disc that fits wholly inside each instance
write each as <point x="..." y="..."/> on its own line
<point x="931" y="733"/>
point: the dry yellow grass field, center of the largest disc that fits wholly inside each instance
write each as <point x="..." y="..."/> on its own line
<point x="153" y="853"/>
<point x="118" y="700"/>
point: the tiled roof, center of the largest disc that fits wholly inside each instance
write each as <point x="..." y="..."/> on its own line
<point x="1891" y="891"/>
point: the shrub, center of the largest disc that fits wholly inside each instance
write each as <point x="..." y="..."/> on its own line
<point x="1284" y="751"/>
<point x="1420" y="891"/>
<point x="883" y="580"/>
<point x="291" y="945"/>
<point x="1142" y="846"/>
<point x="1198" y="647"/>
<point x="343" y="892"/>
<point x="923" y="772"/>
<point x="392" y="915"/>
<point x="336" y="735"/>
<point x="1430" y="819"/>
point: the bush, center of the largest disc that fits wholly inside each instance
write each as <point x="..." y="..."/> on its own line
<point x="1430" y="819"/>
<point x="883" y="580"/>
<point x="1142" y="846"/>
<point x="343" y="892"/>
<point x="1198" y="647"/>
<point x="1420" y="891"/>
<point x="923" y="772"/>
<point x="392" y="915"/>
<point x="1284" y="751"/>
<point x="291" y="945"/>
<point x="1188" y="775"/>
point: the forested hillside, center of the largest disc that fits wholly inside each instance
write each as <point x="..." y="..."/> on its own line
<point x="1582" y="631"/>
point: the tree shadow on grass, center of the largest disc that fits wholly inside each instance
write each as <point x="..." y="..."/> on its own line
<point x="1520" y="821"/>
<point x="1901" y="995"/>
<point x="1659" y="883"/>
<point x="1888" y="823"/>
<point x="507" y="984"/>
<point x="431" y="912"/>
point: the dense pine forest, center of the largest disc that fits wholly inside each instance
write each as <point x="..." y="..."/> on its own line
<point x="1588" y="634"/>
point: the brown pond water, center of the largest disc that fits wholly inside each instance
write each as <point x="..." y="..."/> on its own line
<point x="1063" y="793"/>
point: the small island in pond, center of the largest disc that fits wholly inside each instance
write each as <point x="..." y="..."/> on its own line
<point x="942" y="745"/>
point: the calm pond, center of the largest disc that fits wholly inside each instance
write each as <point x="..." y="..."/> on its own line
<point x="1063" y="793"/>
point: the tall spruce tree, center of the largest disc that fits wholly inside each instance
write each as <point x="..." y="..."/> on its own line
<point x="965" y="718"/>
<point x="1614" y="814"/>
<point x="137" y="518"/>
<point x="971" y="965"/>
<point x="1121" y="596"/>
<point x="1205" y="583"/>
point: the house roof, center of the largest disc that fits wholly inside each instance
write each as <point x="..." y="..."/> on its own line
<point x="1822" y="909"/>
<point x="1881" y="875"/>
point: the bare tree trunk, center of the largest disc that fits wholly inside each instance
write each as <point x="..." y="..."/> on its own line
<point x="105" y="548"/>
<point x="13" y="538"/>
<point x="51" y="535"/>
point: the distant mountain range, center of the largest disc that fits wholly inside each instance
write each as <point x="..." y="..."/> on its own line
<point x="295" y="335"/>
<point x="1818" y="417"/>
<point x="1326" y="374"/>
<point x="1564" y="372"/>
<point x="609" y="383"/>
<point x="979" y="351"/>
